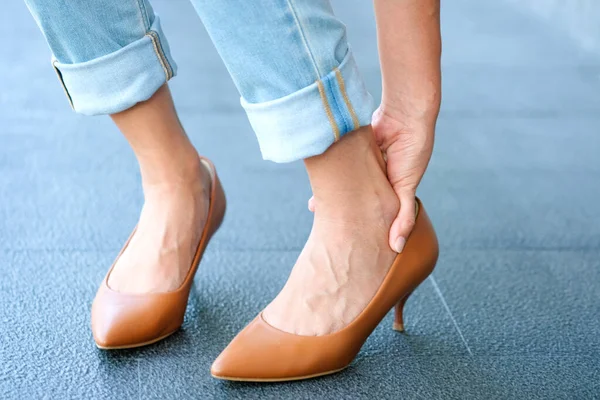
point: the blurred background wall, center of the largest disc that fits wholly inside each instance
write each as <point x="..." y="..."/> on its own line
<point x="580" y="19"/>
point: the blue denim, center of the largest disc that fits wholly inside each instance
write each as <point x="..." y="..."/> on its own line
<point x="289" y="59"/>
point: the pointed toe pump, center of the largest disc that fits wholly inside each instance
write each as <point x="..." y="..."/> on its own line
<point x="126" y="320"/>
<point x="263" y="353"/>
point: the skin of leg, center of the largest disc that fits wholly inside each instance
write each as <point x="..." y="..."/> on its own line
<point x="112" y="56"/>
<point x="286" y="58"/>
<point x="347" y="254"/>
<point x="176" y="189"/>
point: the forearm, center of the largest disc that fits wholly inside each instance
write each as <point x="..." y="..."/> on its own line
<point x="409" y="42"/>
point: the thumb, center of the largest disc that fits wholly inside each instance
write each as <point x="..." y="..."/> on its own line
<point x="311" y="204"/>
<point x="404" y="222"/>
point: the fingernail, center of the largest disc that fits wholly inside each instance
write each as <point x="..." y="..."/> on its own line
<point x="399" y="245"/>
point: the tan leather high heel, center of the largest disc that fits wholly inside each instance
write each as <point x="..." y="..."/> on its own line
<point x="262" y="353"/>
<point x="126" y="320"/>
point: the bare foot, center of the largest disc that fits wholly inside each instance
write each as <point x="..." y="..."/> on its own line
<point x="171" y="223"/>
<point x="347" y="254"/>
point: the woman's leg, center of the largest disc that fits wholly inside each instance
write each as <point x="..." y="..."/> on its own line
<point x="306" y="100"/>
<point x="347" y="254"/>
<point x="112" y="58"/>
<point x="176" y="192"/>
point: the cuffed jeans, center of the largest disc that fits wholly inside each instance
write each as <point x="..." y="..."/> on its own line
<point x="289" y="59"/>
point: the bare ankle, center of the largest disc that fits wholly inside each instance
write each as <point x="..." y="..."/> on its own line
<point x="183" y="168"/>
<point x="349" y="180"/>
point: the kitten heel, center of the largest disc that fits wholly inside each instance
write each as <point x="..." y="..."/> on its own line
<point x="399" y="314"/>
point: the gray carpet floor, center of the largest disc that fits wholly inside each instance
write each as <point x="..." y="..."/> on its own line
<point x="512" y="311"/>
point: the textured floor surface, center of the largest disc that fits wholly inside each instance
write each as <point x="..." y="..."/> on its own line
<point x="512" y="311"/>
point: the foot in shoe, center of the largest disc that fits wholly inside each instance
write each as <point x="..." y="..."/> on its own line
<point x="160" y="253"/>
<point x="347" y="254"/>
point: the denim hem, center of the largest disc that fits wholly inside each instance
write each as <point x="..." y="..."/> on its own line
<point x="119" y="80"/>
<point x="305" y="123"/>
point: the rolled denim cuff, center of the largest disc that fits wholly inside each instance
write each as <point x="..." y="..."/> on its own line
<point x="305" y="123"/>
<point x="119" y="80"/>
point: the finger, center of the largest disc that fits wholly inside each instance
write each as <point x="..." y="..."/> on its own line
<point x="404" y="222"/>
<point x="311" y="204"/>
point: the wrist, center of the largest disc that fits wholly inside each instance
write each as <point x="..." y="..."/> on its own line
<point x="416" y="109"/>
<point x="414" y="103"/>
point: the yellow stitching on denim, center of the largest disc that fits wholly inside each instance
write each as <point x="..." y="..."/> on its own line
<point x="159" y="53"/>
<point x="336" y="130"/>
<point x="342" y="85"/>
<point x="62" y="83"/>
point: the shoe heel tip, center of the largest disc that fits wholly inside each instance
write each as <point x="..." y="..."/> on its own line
<point x="398" y="327"/>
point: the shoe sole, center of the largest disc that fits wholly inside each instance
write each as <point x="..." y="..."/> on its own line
<point x="133" y="346"/>
<point x="294" y="378"/>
